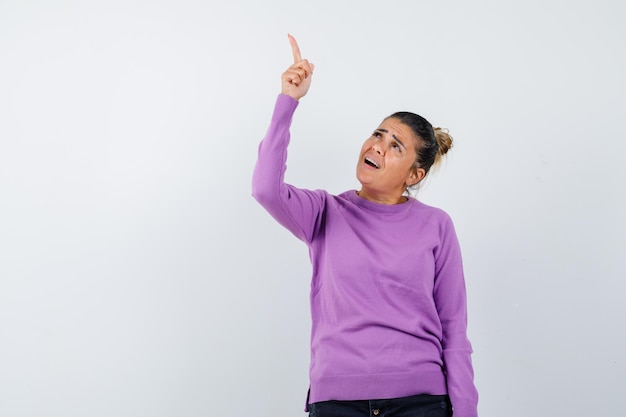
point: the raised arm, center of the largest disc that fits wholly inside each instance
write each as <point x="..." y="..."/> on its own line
<point x="296" y="209"/>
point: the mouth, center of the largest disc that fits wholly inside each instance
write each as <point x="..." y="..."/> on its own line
<point x="369" y="161"/>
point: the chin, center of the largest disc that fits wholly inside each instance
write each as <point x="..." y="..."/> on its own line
<point x="363" y="175"/>
<point x="362" y="181"/>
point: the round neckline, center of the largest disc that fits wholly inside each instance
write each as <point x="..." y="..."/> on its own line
<point x="354" y="197"/>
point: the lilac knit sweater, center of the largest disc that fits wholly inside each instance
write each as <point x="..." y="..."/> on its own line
<point x="388" y="301"/>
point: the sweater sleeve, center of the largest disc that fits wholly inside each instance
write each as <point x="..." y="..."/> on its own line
<point x="296" y="209"/>
<point x="451" y="300"/>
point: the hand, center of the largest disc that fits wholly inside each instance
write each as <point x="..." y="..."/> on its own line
<point x="297" y="79"/>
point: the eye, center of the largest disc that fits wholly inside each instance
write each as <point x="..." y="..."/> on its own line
<point x="396" y="147"/>
<point x="377" y="135"/>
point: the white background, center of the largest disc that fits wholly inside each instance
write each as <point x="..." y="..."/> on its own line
<point x="139" y="278"/>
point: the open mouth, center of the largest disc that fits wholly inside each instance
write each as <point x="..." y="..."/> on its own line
<point x="371" y="162"/>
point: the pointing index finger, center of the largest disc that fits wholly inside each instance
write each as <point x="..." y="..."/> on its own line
<point x="295" y="49"/>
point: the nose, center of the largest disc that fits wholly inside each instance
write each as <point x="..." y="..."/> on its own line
<point x="377" y="149"/>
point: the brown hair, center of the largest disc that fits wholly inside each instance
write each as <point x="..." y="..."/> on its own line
<point x="444" y="140"/>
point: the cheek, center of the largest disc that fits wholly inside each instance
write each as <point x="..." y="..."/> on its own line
<point x="402" y="168"/>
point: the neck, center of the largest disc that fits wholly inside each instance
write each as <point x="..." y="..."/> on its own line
<point x="381" y="198"/>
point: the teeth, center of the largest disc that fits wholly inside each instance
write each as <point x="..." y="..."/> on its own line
<point x="371" y="162"/>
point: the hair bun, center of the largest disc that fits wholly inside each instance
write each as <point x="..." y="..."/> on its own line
<point x="444" y="140"/>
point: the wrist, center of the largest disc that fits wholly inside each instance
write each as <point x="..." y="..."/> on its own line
<point x="292" y="95"/>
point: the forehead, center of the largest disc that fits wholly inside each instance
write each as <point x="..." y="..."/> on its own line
<point x="396" y="127"/>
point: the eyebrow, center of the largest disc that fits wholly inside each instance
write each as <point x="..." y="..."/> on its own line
<point x="393" y="136"/>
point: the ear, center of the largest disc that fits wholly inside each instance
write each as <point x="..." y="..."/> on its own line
<point x="415" y="176"/>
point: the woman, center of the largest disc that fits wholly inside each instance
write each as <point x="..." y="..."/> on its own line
<point x="388" y="299"/>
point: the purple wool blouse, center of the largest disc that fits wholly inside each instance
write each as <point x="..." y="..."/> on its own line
<point x="388" y="299"/>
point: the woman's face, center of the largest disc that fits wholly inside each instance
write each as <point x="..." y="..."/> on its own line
<point x="386" y="161"/>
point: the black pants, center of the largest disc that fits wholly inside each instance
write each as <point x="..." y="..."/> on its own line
<point x="413" y="406"/>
